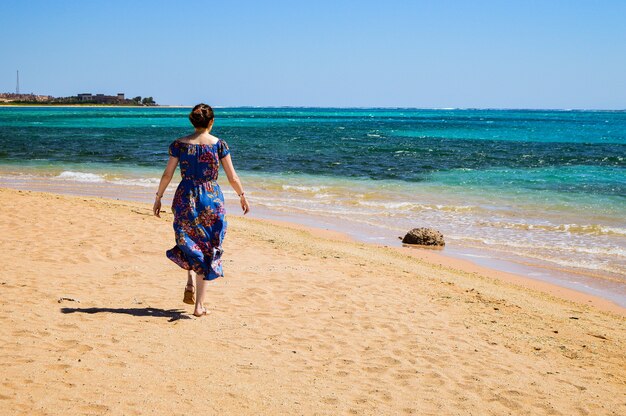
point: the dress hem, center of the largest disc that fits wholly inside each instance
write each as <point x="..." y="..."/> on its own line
<point x="177" y="256"/>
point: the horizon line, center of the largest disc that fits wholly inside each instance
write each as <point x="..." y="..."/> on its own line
<point x="322" y="107"/>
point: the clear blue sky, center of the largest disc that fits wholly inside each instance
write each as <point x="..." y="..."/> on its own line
<point x="497" y="54"/>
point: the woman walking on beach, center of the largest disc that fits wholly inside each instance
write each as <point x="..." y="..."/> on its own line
<point x="198" y="204"/>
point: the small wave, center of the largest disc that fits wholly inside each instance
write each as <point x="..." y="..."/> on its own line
<point x="308" y="208"/>
<point x="613" y="230"/>
<point x="390" y="205"/>
<point x="591" y="265"/>
<point x="304" y="188"/>
<point x="415" y="207"/>
<point x="474" y="256"/>
<point x="534" y="247"/>
<point x="80" y="176"/>
<point x="592" y="229"/>
<point x="145" y="182"/>
<point x="545" y="253"/>
<point x="89" y="177"/>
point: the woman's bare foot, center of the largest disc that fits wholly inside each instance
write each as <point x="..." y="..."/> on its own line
<point x="200" y="311"/>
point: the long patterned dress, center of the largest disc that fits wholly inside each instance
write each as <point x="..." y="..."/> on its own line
<point x="198" y="208"/>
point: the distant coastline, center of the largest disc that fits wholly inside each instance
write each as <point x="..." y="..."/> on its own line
<point x="61" y="105"/>
<point x="12" y="104"/>
<point x="118" y="99"/>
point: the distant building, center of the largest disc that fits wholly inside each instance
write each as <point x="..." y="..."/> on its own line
<point x="101" y="98"/>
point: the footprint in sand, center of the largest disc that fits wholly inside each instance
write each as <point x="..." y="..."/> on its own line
<point x="59" y="367"/>
<point x="330" y="400"/>
<point x="75" y="345"/>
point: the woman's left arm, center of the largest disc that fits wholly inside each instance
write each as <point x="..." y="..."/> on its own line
<point x="234" y="181"/>
<point x="168" y="174"/>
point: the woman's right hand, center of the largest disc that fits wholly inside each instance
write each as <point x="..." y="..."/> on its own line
<point x="156" y="208"/>
<point x="244" y="204"/>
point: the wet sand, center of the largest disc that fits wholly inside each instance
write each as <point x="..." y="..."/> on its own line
<point x="303" y="323"/>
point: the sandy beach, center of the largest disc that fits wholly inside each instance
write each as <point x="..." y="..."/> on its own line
<point x="305" y="322"/>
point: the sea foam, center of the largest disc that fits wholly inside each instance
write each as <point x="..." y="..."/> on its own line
<point x="90" y="177"/>
<point x="80" y="176"/>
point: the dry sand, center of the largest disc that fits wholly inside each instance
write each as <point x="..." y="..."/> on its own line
<point x="302" y="324"/>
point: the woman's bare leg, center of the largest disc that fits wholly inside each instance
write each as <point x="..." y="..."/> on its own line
<point x="200" y="293"/>
<point x="189" y="278"/>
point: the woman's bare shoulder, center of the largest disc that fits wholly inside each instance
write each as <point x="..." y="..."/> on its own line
<point x="183" y="139"/>
<point x="194" y="139"/>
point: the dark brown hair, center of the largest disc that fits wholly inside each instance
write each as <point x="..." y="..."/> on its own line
<point x="201" y="116"/>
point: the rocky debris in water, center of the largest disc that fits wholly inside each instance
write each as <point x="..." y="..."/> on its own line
<point x="424" y="237"/>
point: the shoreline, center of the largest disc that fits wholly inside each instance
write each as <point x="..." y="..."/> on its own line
<point x="85" y="105"/>
<point x="431" y="256"/>
<point x="575" y="267"/>
<point x="550" y="279"/>
<point x="593" y="285"/>
<point x="519" y="280"/>
<point x="434" y="258"/>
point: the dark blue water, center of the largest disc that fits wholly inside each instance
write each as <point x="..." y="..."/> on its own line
<point x="406" y="145"/>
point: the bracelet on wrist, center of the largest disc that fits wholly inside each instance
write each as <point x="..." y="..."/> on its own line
<point x="241" y="194"/>
<point x="159" y="196"/>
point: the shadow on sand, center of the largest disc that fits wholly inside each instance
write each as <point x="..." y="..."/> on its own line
<point x="173" y="314"/>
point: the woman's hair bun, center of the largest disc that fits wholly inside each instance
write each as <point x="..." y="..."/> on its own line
<point x="201" y="116"/>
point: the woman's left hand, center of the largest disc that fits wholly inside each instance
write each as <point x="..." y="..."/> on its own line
<point x="156" y="208"/>
<point x="244" y="204"/>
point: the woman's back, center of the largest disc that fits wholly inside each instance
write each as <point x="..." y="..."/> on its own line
<point x="199" y="161"/>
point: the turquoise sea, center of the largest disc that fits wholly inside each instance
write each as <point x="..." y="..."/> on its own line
<point x="541" y="193"/>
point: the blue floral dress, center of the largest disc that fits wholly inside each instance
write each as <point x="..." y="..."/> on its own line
<point x="198" y="208"/>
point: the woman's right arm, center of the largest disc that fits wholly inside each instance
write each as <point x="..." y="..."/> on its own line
<point x="166" y="178"/>
<point x="234" y="181"/>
